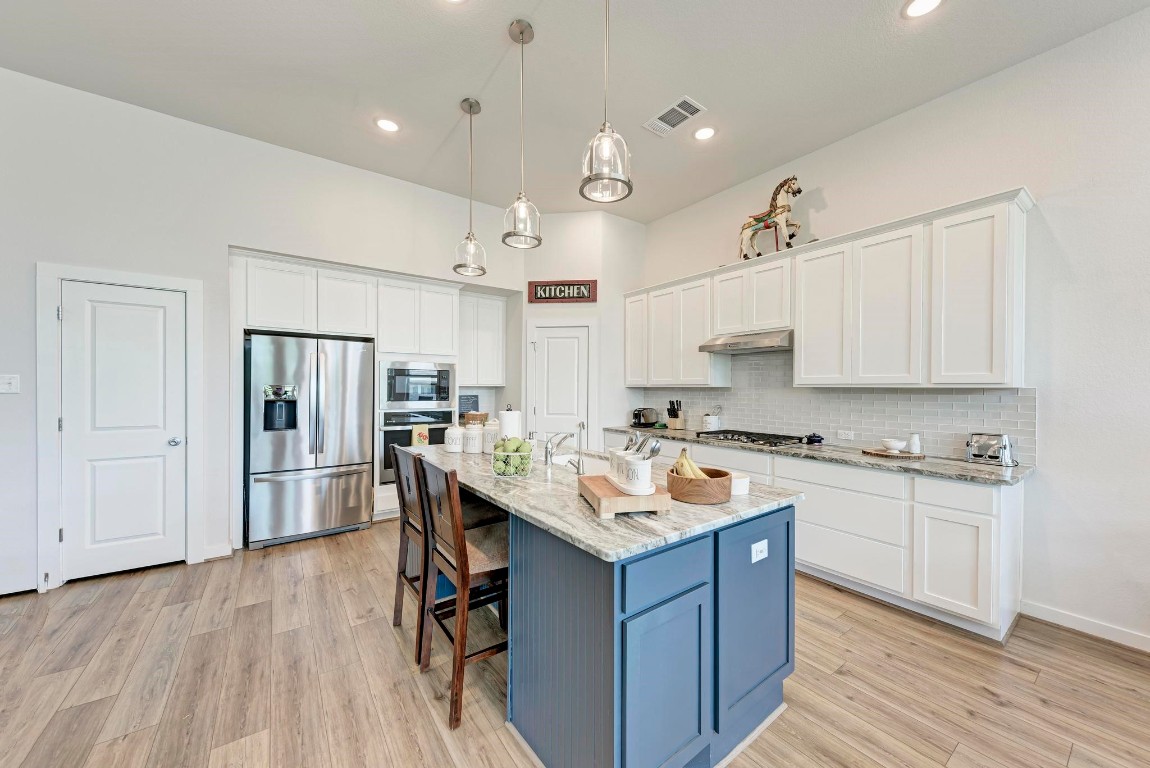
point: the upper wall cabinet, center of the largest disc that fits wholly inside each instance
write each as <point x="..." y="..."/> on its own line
<point x="677" y="322"/>
<point x="418" y="318"/>
<point x="346" y="303"/>
<point x="823" y="316"/>
<point x="755" y="298"/>
<point x="482" y="342"/>
<point x="887" y="308"/>
<point x="280" y="295"/>
<point x="977" y="274"/>
<point x="635" y="343"/>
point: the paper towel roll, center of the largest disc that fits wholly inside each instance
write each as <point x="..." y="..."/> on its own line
<point x="510" y="423"/>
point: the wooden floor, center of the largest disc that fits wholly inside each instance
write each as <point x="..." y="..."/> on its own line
<point x="287" y="657"/>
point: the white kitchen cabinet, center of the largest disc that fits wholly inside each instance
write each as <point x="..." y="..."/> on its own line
<point x="823" y="297"/>
<point x="345" y="303"/>
<point x="678" y="322"/>
<point x="887" y="308"/>
<point x="418" y="318"/>
<point x="693" y="328"/>
<point x="635" y="341"/>
<point x="661" y="341"/>
<point x="754" y="298"/>
<point x="977" y="271"/>
<point x="732" y="315"/>
<point x="280" y="295"/>
<point x="482" y="341"/>
<point x="955" y="561"/>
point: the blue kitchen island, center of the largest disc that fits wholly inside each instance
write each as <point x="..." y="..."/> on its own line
<point x="641" y="641"/>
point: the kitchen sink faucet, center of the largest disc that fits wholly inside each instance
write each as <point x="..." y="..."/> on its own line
<point x="577" y="462"/>
<point x="549" y="446"/>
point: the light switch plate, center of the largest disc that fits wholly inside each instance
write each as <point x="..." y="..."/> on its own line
<point x="759" y="550"/>
<point x="9" y="384"/>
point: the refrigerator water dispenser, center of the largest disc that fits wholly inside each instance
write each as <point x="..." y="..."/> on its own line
<point x="279" y="407"/>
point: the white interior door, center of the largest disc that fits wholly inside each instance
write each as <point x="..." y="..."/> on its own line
<point x="123" y="402"/>
<point x="560" y="379"/>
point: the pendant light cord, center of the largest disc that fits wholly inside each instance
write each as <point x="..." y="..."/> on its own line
<point x="522" y="133"/>
<point x="606" y="53"/>
<point x="470" y="170"/>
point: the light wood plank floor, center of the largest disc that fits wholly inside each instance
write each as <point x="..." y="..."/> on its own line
<point x="287" y="657"/>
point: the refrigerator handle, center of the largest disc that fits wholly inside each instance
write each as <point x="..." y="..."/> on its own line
<point x="321" y="402"/>
<point x="311" y="428"/>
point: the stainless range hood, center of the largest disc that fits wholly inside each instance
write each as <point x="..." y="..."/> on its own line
<point x="767" y="341"/>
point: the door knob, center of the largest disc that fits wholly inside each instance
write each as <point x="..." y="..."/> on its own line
<point x="174" y="441"/>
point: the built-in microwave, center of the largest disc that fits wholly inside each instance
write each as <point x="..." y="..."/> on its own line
<point x="416" y="385"/>
<point x="395" y="429"/>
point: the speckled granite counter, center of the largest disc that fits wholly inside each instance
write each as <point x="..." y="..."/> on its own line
<point x="551" y="501"/>
<point x="947" y="469"/>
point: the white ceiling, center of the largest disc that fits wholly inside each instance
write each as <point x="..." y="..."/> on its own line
<point x="779" y="78"/>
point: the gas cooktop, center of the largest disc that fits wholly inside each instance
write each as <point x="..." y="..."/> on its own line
<point x="750" y="438"/>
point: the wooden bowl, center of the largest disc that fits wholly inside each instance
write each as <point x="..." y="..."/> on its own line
<point x="714" y="490"/>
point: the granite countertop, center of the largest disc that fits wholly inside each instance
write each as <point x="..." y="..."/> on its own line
<point x="932" y="466"/>
<point x="551" y="501"/>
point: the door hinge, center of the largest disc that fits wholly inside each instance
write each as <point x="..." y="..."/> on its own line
<point x="60" y="424"/>
<point x="59" y="313"/>
<point x="61" y="534"/>
<point x="45" y="577"/>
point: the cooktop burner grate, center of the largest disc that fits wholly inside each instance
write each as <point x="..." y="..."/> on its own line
<point x="750" y="438"/>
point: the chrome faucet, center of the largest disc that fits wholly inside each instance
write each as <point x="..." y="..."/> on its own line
<point x="577" y="462"/>
<point x="549" y="446"/>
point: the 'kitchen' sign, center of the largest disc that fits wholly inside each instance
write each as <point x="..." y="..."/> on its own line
<point x="562" y="291"/>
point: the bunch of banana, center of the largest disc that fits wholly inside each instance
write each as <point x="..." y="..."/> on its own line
<point x="684" y="467"/>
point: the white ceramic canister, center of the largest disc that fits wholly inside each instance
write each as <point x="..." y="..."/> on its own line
<point x="711" y="422"/>
<point x="637" y="473"/>
<point x="619" y="463"/>
<point x="490" y="435"/>
<point x="453" y="439"/>
<point x="914" y="444"/>
<point x="473" y="438"/>
<point x="740" y="484"/>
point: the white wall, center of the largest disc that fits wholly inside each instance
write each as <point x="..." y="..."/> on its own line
<point x="1074" y="126"/>
<point x="593" y="246"/>
<point x="94" y="182"/>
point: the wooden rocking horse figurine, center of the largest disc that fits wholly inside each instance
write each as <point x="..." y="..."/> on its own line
<point x="776" y="217"/>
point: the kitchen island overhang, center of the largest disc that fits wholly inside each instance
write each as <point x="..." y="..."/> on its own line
<point x="643" y="640"/>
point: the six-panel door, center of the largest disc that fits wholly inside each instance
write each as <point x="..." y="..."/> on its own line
<point x="667" y="681"/>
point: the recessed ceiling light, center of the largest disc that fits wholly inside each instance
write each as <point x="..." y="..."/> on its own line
<point x="916" y="8"/>
<point x="704" y="133"/>
<point x="387" y="125"/>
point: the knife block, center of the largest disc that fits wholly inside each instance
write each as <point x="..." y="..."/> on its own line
<point x="679" y="423"/>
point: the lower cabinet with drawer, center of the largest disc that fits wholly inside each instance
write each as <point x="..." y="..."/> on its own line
<point x="947" y="549"/>
<point x="668" y="659"/>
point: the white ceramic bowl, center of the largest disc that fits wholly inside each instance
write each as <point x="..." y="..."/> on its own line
<point x="892" y="445"/>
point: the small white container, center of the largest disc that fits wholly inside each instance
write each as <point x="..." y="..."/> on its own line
<point x="637" y="475"/>
<point x="453" y="439"/>
<point x="473" y="439"/>
<point x="619" y="463"/>
<point x="914" y="444"/>
<point x="740" y="484"/>
<point x="711" y="422"/>
<point x="490" y="435"/>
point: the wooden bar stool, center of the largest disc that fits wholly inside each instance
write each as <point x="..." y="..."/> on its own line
<point x="408" y="484"/>
<point x="474" y="560"/>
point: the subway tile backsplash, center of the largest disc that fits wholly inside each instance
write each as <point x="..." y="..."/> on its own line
<point x="762" y="398"/>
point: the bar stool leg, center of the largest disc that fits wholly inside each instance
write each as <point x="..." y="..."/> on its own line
<point x="400" y="570"/>
<point x="423" y="646"/>
<point x="458" y="660"/>
<point x="503" y="614"/>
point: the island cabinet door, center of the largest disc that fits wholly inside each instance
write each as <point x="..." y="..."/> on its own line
<point x="755" y="604"/>
<point x="667" y="682"/>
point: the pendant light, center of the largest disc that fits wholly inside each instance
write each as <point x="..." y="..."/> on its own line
<point x="470" y="257"/>
<point x="521" y="222"/>
<point x="606" y="161"/>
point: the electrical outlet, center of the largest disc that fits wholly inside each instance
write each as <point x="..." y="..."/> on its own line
<point x="846" y="434"/>
<point x="759" y="550"/>
<point x="9" y="384"/>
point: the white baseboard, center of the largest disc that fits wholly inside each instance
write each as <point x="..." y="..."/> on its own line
<point x="1127" y="637"/>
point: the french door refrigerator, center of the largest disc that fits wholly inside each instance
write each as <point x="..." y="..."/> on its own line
<point x="309" y="436"/>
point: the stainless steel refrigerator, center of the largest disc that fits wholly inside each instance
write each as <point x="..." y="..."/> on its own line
<point x="309" y="436"/>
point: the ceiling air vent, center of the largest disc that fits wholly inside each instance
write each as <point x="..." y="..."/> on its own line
<point x="674" y="116"/>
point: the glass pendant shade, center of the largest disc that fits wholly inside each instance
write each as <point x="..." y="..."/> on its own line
<point x="606" y="168"/>
<point x="521" y="224"/>
<point x="470" y="257"/>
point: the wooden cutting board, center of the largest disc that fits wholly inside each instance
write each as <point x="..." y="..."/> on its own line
<point x="608" y="501"/>
<point x="883" y="453"/>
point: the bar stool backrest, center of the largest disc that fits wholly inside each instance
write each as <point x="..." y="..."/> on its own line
<point x="406" y="463"/>
<point x="443" y="515"/>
